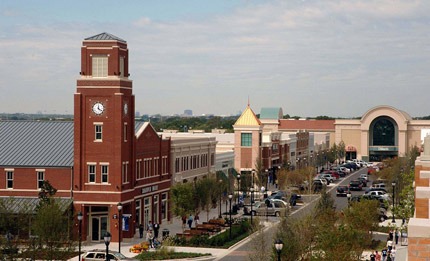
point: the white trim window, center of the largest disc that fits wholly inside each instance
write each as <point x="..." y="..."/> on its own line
<point x="105" y="173"/>
<point x="92" y="173"/>
<point x="40" y="179"/>
<point x="100" y="65"/>
<point x="9" y="179"/>
<point x="98" y="128"/>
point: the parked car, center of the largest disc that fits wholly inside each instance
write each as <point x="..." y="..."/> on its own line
<point x="380" y="194"/>
<point x="364" y="176"/>
<point x="355" y="185"/>
<point x="100" y="254"/>
<point x="326" y="176"/>
<point x="274" y="207"/>
<point x="342" y="191"/>
<point x="375" y="189"/>
<point x="334" y="174"/>
<point x="324" y="181"/>
<point x="317" y="185"/>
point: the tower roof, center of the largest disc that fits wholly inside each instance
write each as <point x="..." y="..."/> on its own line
<point x="271" y="113"/>
<point x="248" y="118"/>
<point x="105" y="37"/>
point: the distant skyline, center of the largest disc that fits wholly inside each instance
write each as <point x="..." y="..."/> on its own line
<point x="309" y="57"/>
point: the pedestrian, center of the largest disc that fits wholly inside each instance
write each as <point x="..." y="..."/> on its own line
<point x="396" y="236"/>
<point x="372" y="256"/>
<point x="384" y="253"/>
<point x="141" y="228"/>
<point x="156" y="228"/>
<point x="149" y="226"/>
<point x="190" y="221"/>
<point x="393" y="253"/>
<point x="377" y="256"/>
<point x="390" y="235"/>
<point x="184" y="221"/>
<point x="389" y="256"/>
<point x="389" y="244"/>
<point x="150" y="238"/>
<point x="197" y="219"/>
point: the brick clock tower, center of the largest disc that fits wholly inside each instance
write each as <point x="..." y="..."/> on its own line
<point x="104" y="137"/>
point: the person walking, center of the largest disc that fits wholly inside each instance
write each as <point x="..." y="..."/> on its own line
<point x="393" y="253"/>
<point x="372" y="256"/>
<point x="150" y="238"/>
<point x="184" y="222"/>
<point x="156" y="228"/>
<point x="377" y="256"/>
<point x="190" y="221"/>
<point x="396" y="236"/>
<point x="384" y="253"/>
<point x="389" y="244"/>
<point x="197" y="219"/>
<point x="141" y="228"/>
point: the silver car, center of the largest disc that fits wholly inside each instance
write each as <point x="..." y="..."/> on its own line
<point x="274" y="207"/>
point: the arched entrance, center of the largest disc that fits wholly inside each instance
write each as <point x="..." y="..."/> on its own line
<point x="383" y="139"/>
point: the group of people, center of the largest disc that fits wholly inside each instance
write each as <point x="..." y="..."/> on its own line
<point x="388" y="253"/>
<point x="189" y="221"/>
<point x="152" y="232"/>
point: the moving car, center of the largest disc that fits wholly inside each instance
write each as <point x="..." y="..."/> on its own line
<point x="355" y="185"/>
<point x="380" y="194"/>
<point x="342" y="191"/>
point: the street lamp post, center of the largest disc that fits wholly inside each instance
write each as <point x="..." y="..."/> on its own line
<point x="119" y="205"/>
<point x="220" y="198"/>
<point x="252" y="202"/>
<point x="394" y="185"/>
<point x="238" y="188"/>
<point x="107" y="238"/>
<point x="278" y="246"/>
<point x="80" y="217"/>
<point x="265" y="202"/>
<point x="230" y="197"/>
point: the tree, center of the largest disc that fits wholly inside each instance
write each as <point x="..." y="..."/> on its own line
<point x="207" y="193"/>
<point x="341" y="152"/>
<point x="182" y="199"/>
<point x="51" y="227"/>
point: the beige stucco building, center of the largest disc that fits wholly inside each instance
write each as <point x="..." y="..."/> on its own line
<point x="382" y="132"/>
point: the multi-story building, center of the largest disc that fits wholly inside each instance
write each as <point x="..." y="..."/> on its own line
<point x="101" y="160"/>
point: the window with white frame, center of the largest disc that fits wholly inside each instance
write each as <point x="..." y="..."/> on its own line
<point x="40" y="178"/>
<point x="9" y="179"/>
<point x="105" y="173"/>
<point x="100" y="65"/>
<point x="121" y="66"/>
<point x="156" y="164"/>
<point x="91" y="173"/>
<point x="98" y="132"/>
<point x="125" y="132"/>
<point x="164" y="206"/>
<point x="125" y="172"/>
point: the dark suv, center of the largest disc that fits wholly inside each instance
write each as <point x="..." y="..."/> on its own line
<point x="355" y="185"/>
<point x="342" y="191"/>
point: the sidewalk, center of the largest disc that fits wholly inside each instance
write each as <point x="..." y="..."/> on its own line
<point x="402" y="251"/>
<point x="174" y="226"/>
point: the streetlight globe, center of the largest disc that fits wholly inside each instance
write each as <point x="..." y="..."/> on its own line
<point x="279" y="245"/>
<point x="80" y="216"/>
<point x="251" y="189"/>
<point x="238" y="176"/>
<point x="107" y="238"/>
<point x="119" y="205"/>
<point x="393" y="184"/>
<point x="230" y="196"/>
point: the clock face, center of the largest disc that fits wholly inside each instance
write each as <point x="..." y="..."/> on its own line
<point x="125" y="108"/>
<point x="98" y="108"/>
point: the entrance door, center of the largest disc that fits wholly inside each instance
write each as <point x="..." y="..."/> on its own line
<point x="99" y="226"/>
<point x="147" y="211"/>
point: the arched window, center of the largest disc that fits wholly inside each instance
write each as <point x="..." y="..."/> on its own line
<point x="383" y="132"/>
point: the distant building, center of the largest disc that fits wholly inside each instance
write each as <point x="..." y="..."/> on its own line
<point x="188" y="113"/>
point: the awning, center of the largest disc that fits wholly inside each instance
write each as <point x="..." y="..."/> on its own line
<point x="19" y="205"/>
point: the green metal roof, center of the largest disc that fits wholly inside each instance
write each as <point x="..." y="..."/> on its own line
<point x="271" y="113"/>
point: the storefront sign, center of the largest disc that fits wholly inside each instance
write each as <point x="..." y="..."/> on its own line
<point x="149" y="189"/>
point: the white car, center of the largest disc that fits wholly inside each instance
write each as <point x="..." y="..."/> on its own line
<point x="364" y="176"/>
<point x="344" y="169"/>
<point x="380" y="194"/>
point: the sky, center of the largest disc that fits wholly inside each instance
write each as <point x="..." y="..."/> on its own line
<point x="308" y="57"/>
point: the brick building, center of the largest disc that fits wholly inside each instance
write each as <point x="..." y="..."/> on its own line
<point x="102" y="159"/>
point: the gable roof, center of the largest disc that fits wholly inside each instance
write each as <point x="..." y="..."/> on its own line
<point x="36" y="143"/>
<point x="105" y="37"/>
<point x="309" y="125"/>
<point x="248" y="118"/>
<point x="271" y="113"/>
